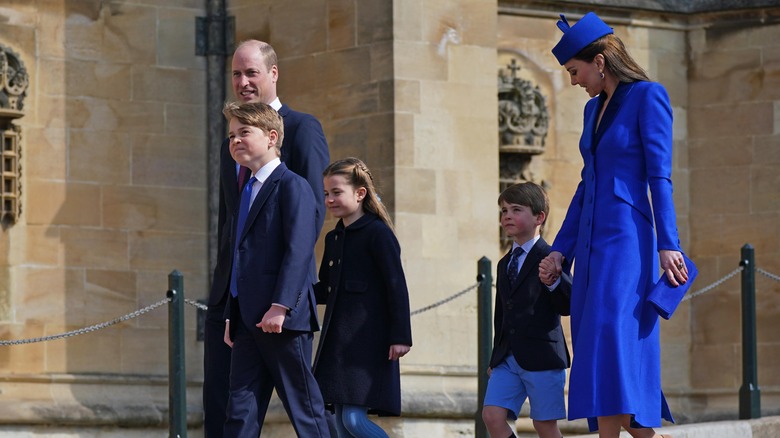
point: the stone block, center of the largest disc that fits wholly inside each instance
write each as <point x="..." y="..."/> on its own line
<point x="175" y="37"/>
<point x="95" y="248"/>
<point x="56" y="203"/>
<point x="715" y="366"/>
<point x="675" y="372"/>
<point x="419" y="61"/>
<point x="477" y="16"/>
<point x="436" y="233"/>
<point x="45" y="153"/>
<point x="185" y="120"/>
<point x="165" y="251"/>
<point x="374" y="21"/>
<point x="99" y="157"/>
<point x="754" y="118"/>
<point x="42" y="246"/>
<point x="711" y="154"/>
<point x="142" y="348"/>
<point x="720" y="190"/>
<point x="26" y="358"/>
<point x="715" y="64"/>
<point x="122" y="42"/>
<point x="109" y="294"/>
<point x="154" y="208"/>
<point x="416" y="190"/>
<point x="116" y="115"/>
<point x="407" y="20"/>
<point x="717" y="317"/>
<point x="51" y="296"/>
<point x="768" y="354"/>
<point x="167" y="85"/>
<point x="311" y="28"/>
<point x="472" y="65"/>
<point x="382" y="61"/>
<point x="103" y="80"/>
<point x="96" y="352"/>
<point x="435" y="139"/>
<point x="354" y="100"/>
<point x="168" y="161"/>
<point x="764" y="193"/>
<point x="342" y="23"/>
<point x="407" y="97"/>
<point x="716" y="234"/>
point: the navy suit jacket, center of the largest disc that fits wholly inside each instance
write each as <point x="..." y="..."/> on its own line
<point x="304" y="151"/>
<point x="275" y="256"/>
<point x="527" y="318"/>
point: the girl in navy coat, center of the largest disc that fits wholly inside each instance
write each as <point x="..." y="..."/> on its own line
<point x="366" y="328"/>
<point x="616" y="236"/>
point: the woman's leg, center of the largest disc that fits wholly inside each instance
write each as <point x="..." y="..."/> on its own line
<point x="644" y="432"/>
<point x="609" y="427"/>
<point x="356" y="421"/>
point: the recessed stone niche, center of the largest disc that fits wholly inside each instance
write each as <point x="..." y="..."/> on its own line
<point x="13" y="88"/>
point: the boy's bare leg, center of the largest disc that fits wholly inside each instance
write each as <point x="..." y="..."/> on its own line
<point x="495" y="420"/>
<point x="547" y="429"/>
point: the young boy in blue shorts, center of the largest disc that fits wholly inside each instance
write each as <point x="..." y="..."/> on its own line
<point x="530" y="355"/>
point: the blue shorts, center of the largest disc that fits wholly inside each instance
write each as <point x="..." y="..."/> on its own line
<point x="509" y="385"/>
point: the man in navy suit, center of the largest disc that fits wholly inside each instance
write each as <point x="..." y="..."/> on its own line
<point x="305" y="152"/>
<point x="271" y="311"/>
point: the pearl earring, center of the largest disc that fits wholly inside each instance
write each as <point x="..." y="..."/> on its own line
<point x="601" y="73"/>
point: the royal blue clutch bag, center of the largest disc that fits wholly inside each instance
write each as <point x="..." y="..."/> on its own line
<point x="665" y="297"/>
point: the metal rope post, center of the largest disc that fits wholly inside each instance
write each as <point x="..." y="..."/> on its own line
<point x="749" y="393"/>
<point x="484" y="338"/>
<point x="177" y="379"/>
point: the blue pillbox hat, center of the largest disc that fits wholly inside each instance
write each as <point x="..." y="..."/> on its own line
<point x="577" y="37"/>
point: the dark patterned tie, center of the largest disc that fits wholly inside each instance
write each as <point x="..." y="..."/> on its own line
<point x="513" y="269"/>
<point x="243" y="212"/>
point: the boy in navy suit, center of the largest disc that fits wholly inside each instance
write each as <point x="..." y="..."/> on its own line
<point x="530" y="355"/>
<point x="271" y="310"/>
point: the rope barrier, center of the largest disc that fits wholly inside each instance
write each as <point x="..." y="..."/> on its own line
<point x="714" y="285"/>
<point x="444" y="301"/>
<point x="91" y="328"/>
<point x="202" y="306"/>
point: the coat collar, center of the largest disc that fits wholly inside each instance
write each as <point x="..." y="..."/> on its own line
<point x="364" y="220"/>
<point x="610" y="114"/>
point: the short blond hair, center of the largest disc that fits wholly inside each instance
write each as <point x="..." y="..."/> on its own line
<point x="259" y="115"/>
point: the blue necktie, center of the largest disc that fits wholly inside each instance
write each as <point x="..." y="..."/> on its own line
<point x="514" y="261"/>
<point x="243" y="212"/>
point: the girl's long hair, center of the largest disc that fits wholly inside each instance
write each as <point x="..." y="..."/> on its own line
<point x="357" y="175"/>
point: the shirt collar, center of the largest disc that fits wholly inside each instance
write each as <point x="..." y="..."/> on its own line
<point x="527" y="246"/>
<point x="266" y="170"/>
<point x="276" y="104"/>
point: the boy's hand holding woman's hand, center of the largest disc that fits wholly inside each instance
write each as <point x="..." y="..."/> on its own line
<point x="550" y="268"/>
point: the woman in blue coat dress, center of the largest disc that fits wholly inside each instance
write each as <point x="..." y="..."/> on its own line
<point x="616" y="236"/>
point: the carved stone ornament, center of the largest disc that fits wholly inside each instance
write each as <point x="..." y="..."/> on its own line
<point x="523" y="118"/>
<point x="13" y="88"/>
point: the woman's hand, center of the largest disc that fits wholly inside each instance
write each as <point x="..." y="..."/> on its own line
<point x="673" y="264"/>
<point x="553" y="263"/>
<point x="398" y="351"/>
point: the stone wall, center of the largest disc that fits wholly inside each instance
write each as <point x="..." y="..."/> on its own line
<point x="114" y="182"/>
<point x="113" y="200"/>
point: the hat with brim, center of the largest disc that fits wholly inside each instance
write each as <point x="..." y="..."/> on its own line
<point x="577" y="37"/>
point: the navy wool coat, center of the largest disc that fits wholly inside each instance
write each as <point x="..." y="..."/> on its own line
<point x="362" y="282"/>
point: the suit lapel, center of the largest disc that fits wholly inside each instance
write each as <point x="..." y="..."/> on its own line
<point x="530" y="263"/>
<point x="262" y="196"/>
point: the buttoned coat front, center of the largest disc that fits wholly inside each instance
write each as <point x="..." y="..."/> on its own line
<point x="612" y="234"/>
<point x="363" y="284"/>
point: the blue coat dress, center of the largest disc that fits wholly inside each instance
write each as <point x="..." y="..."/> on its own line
<point x="612" y="234"/>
